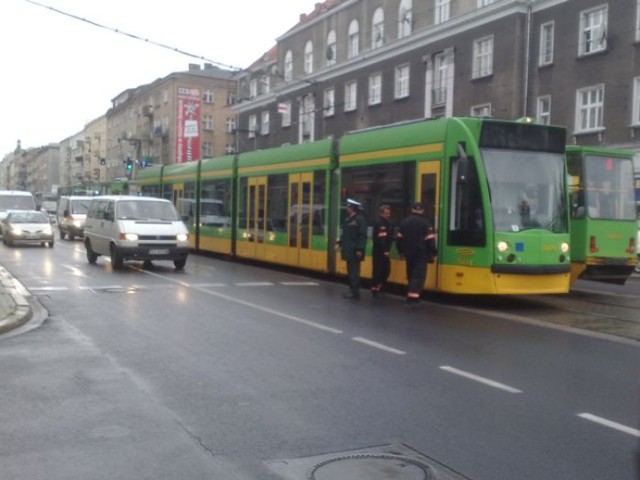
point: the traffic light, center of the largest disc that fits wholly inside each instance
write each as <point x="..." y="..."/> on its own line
<point x="129" y="165"/>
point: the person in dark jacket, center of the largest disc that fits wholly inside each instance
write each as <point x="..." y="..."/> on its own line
<point x="416" y="243"/>
<point x="352" y="243"/>
<point x="382" y="241"/>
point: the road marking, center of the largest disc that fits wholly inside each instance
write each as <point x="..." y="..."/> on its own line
<point x="75" y="271"/>
<point x="254" y="284"/>
<point x="210" y="285"/>
<point x="300" y="284"/>
<point x="48" y="289"/>
<point x="303" y="321"/>
<point x="610" y="424"/>
<point x="477" y="378"/>
<point x="380" y="346"/>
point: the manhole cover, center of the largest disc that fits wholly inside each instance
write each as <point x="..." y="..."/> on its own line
<point x="371" y="467"/>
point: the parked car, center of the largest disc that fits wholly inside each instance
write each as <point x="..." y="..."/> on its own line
<point x="135" y="228"/>
<point x="27" y="226"/>
<point x="72" y="214"/>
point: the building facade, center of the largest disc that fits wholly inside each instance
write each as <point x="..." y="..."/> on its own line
<point x="353" y="64"/>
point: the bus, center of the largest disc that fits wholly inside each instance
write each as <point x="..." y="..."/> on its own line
<point x="496" y="192"/>
<point x="603" y="214"/>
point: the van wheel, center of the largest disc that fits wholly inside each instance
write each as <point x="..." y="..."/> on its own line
<point x="116" y="259"/>
<point x="71" y="236"/>
<point x="61" y="235"/>
<point x="180" y="263"/>
<point x="92" y="256"/>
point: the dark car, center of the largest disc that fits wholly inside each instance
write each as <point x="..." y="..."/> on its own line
<point x="27" y="226"/>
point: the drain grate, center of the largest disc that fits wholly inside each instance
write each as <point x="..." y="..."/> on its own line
<point x="382" y="462"/>
<point x="371" y="467"/>
<point x="114" y="290"/>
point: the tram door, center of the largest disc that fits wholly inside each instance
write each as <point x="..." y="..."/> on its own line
<point x="301" y="214"/>
<point x="178" y="193"/>
<point x="257" y="222"/>
<point x="429" y="185"/>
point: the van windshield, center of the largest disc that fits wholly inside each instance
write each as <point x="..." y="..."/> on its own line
<point x="80" y="207"/>
<point x="146" y="210"/>
<point x="16" y="202"/>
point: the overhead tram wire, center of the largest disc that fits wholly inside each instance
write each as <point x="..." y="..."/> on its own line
<point x="135" y="37"/>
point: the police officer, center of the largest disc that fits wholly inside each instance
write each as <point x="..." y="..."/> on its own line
<point x="416" y="243"/>
<point x="353" y="240"/>
<point x="382" y="241"/>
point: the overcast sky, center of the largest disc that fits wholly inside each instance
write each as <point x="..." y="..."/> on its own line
<point x="58" y="73"/>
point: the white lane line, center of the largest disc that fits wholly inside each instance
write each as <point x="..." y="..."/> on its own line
<point x="380" y="346"/>
<point x="254" y="284"/>
<point x="209" y="285"/>
<point x="303" y="321"/>
<point x="48" y="289"/>
<point x="300" y="284"/>
<point x="610" y="424"/>
<point x="74" y="270"/>
<point x="477" y="378"/>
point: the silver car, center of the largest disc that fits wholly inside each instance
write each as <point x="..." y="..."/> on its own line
<point x="28" y="227"/>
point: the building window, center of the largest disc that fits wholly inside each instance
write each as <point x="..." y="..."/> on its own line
<point x="443" y="11"/>
<point x="405" y="19"/>
<point x="638" y="21"/>
<point x="350" y="96"/>
<point x="253" y="88"/>
<point x="543" y="113"/>
<point x="229" y="149"/>
<point x="308" y="57"/>
<point x="636" y="102"/>
<point x="440" y="79"/>
<point x="483" y="57"/>
<point x="253" y="124"/>
<point x="332" y="48"/>
<point x="207" y="122"/>
<point x="546" y="44"/>
<point x="165" y="96"/>
<point x="377" y="28"/>
<point x="207" y="96"/>
<point x="264" y="125"/>
<point x="329" y="102"/>
<point x="353" y="36"/>
<point x="484" y="3"/>
<point x="593" y="30"/>
<point x="207" y="149"/>
<point x="288" y="66"/>
<point x="375" y="89"/>
<point x="401" y="88"/>
<point x="483" y="110"/>
<point x="589" y="108"/>
<point x="230" y="125"/>
<point x="284" y="109"/>
<point x="265" y="84"/>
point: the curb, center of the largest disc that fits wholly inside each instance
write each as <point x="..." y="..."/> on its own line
<point x="16" y="302"/>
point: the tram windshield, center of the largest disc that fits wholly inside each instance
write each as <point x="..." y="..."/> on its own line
<point x="602" y="187"/>
<point x="526" y="190"/>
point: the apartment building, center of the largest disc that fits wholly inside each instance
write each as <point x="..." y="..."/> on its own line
<point x="353" y="64"/>
<point x="182" y="117"/>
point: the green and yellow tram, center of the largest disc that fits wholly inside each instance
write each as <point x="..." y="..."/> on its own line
<point x="603" y="213"/>
<point x="496" y="192"/>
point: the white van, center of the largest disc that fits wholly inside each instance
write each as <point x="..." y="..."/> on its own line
<point x="71" y="215"/>
<point x="135" y="228"/>
<point x="15" y="200"/>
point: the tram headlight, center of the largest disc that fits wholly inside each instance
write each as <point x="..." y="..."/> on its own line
<point x="564" y="247"/>
<point x="502" y="246"/>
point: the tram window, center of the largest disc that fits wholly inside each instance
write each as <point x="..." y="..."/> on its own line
<point x="466" y="213"/>
<point x="277" y="188"/>
<point x="374" y="185"/>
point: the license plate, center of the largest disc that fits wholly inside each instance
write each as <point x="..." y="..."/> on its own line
<point x="158" y="251"/>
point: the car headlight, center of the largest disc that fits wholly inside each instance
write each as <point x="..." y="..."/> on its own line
<point x="182" y="237"/>
<point x="564" y="247"/>
<point x="16" y="231"/>
<point x="131" y="237"/>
